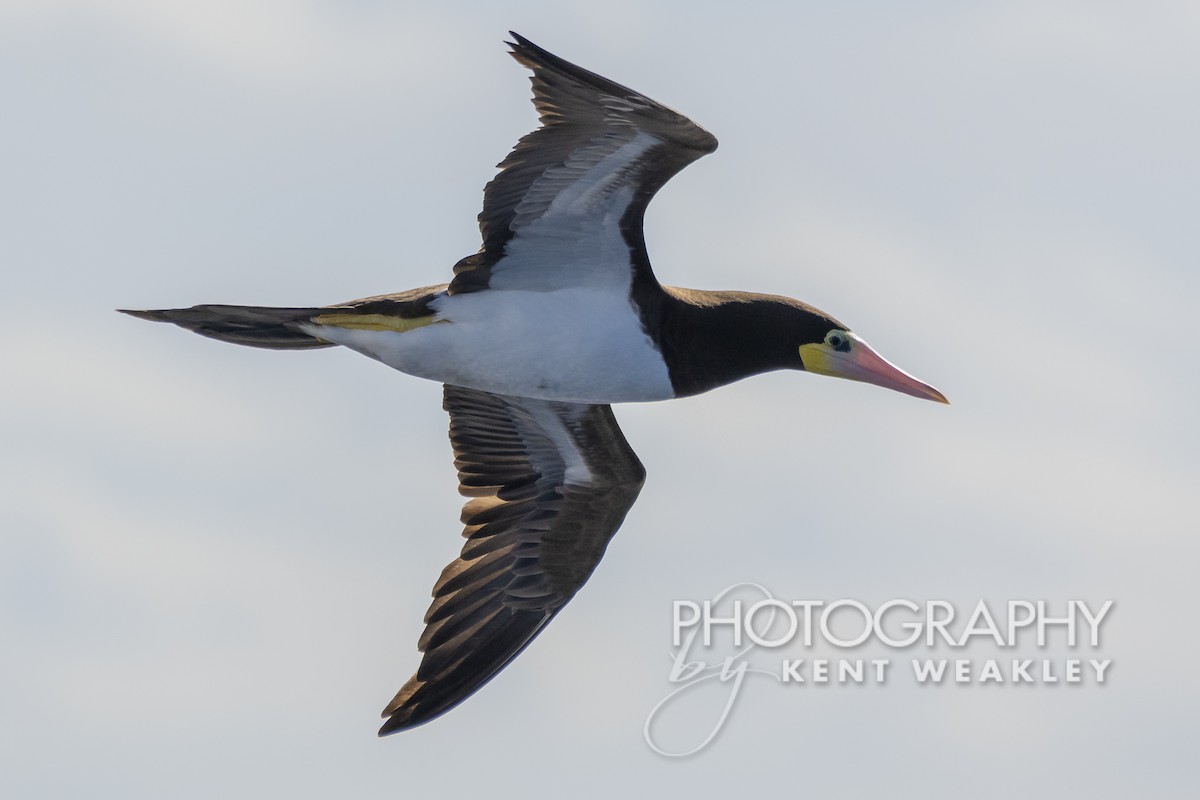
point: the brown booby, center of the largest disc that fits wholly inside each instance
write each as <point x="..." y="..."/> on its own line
<point x="557" y="316"/>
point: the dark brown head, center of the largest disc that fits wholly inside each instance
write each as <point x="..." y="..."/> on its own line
<point x="710" y="339"/>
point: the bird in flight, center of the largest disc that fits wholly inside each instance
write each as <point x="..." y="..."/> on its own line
<point x="555" y="318"/>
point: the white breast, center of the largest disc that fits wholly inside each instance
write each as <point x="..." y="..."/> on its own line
<point x="577" y="344"/>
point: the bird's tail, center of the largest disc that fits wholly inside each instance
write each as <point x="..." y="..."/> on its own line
<point x="255" y="326"/>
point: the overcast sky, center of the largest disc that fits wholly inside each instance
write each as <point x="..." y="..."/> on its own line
<point x="214" y="560"/>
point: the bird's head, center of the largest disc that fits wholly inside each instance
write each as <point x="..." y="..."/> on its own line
<point x="826" y="347"/>
<point x="716" y="338"/>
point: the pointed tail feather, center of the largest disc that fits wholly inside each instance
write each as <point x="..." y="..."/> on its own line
<point x="255" y="326"/>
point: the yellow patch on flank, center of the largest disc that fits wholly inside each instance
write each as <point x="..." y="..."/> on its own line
<point x="372" y="322"/>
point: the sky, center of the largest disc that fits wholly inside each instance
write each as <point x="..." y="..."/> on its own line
<point x="214" y="560"/>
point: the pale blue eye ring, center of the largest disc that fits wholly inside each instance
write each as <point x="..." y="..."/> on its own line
<point x="838" y="340"/>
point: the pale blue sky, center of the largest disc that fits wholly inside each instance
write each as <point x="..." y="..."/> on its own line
<point x="214" y="560"/>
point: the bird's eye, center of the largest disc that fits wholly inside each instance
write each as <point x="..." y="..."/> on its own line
<point x="838" y="340"/>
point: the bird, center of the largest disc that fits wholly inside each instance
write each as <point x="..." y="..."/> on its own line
<point x="554" y="319"/>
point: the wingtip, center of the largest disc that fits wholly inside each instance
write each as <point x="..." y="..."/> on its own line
<point x="524" y="51"/>
<point x="535" y="57"/>
<point x="388" y="729"/>
<point x="398" y="723"/>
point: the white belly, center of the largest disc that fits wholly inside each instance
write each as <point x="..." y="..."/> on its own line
<point x="576" y="344"/>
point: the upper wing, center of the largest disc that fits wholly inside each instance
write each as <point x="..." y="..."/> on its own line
<point x="567" y="207"/>
<point x="551" y="483"/>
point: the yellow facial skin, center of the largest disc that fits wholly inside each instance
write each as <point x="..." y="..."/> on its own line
<point x="845" y="355"/>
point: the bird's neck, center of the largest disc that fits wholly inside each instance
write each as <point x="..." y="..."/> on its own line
<point x="711" y="339"/>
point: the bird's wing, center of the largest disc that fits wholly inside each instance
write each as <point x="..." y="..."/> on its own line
<point x="567" y="206"/>
<point x="550" y="484"/>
